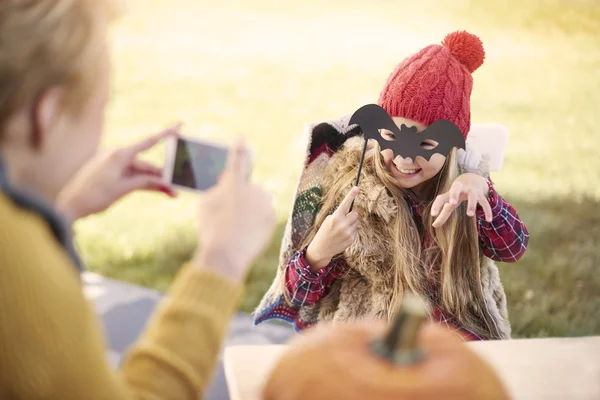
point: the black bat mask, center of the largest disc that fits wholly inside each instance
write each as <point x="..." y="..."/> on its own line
<point x="408" y="143"/>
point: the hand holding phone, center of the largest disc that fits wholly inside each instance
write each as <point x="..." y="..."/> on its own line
<point x="236" y="220"/>
<point x="194" y="165"/>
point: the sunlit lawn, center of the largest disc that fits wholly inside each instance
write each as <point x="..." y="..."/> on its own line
<point x="262" y="69"/>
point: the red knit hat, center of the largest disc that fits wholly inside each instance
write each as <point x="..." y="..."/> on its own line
<point x="436" y="83"/>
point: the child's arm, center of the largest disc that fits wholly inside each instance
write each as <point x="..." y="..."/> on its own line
<point x="505" y="239"/>
<point x="304" y="287"/>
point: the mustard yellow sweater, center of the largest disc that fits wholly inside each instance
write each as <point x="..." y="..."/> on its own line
<point x="51" y="341"/>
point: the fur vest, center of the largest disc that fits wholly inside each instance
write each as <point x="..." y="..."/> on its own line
<point x="366" y="290"/>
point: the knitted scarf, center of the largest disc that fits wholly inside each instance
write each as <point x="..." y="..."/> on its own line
<point x="322" y="141"/>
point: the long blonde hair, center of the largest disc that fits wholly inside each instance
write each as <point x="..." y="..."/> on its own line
<point x="453" y="256"/>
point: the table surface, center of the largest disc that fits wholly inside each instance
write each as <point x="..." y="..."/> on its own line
<point x="553" y="368"/>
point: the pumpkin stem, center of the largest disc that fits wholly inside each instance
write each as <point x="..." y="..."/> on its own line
<point x="399" y="345"/>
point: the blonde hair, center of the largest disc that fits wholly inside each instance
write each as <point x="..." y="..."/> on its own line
<point x="453" y="255"/>
<point x="46" y="43"/>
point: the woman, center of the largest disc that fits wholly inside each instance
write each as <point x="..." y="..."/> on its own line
<point x="54" y="74"/>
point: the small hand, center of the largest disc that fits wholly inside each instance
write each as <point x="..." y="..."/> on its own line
<point x="467" y="187"/>
<point x="110" y="176"/>
<point x="335" y="235"/>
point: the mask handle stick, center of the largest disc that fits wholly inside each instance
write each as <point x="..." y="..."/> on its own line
<point x="362" y="159"/>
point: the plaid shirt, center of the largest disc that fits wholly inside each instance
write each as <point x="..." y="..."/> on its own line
<point x="504" y="239"/>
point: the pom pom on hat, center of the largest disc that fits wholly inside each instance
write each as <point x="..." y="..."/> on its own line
<point x="436" y="82"/>
<point x="466" y="48"/>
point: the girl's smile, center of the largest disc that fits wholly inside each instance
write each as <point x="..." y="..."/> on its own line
<point x="404" y="172"/>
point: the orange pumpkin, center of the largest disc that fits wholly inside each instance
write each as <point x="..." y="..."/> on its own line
<point x="340" y="362"/>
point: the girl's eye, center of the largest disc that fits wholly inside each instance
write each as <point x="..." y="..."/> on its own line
<point x="429" y="144"/>
<point x="387" y="135"/>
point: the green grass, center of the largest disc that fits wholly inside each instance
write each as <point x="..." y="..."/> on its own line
<point x="262" y="69"/>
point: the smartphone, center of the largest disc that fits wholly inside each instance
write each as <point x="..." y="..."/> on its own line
<point x="489" y="139"/>
<point x="193" y="164"/>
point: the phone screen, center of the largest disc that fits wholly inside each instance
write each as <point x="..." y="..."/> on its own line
<point x="198" y="165"/>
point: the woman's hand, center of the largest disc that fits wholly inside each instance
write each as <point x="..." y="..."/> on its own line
<point x="467" y="187"/>
<point x="335" y="235"/>
<point x="236" y="220"/>
<point x="110" y="176"/>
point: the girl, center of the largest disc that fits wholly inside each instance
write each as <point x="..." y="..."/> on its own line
<point x="433" y="228"/>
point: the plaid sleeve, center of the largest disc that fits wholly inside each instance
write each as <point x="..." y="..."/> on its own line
<point x="304" y="287"/>
<point x="505" y="239"/>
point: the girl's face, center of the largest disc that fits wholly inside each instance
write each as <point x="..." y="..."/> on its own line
<point x="409" y="173"/>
